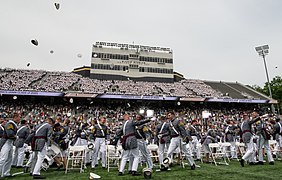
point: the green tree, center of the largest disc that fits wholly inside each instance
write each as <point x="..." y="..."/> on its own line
<point x="276" y="89"/>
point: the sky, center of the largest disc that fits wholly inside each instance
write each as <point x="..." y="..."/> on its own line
<point x="211" y="39"/>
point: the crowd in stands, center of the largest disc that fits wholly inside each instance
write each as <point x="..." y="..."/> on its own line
<point x="39" y="80"/>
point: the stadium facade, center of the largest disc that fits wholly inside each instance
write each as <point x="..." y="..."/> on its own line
<point x="114" y="61"/>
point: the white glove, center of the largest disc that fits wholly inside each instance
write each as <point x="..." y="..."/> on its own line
<point x="107" y="142"/>
<point x="153" y="118"/>
<point x="25" y="145"/>
<point x="159" y="136"/>
<point x="49" y="148"/>
<point x="265" y="116"/>
<point x="147" y="141"/>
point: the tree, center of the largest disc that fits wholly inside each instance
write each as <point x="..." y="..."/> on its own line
<point x="276" y="89"/>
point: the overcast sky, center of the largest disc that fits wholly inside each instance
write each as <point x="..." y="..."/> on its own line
<point x="211" y="39"/>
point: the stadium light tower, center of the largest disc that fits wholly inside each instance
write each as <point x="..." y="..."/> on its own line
<point x="263" y="51"/>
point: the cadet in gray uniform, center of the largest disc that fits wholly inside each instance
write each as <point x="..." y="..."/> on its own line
<point x="263" y="142"/>
<point x="22" y="134"/>
<point x="278" y="133"/>
<point x="247" y="136"/>
<point x="163" y="137"/>
<point x="230" y="136"/>
<point x="142" y="134"/>
<point x="39" y="145"/>
<point x="211" y="137"/>
<point x="100" y="132"/>
<point x="7" y="149"/>
<point x="2" y="133"/>
<point x="129" y="143"/>
<point x="195" y="134"/>
<point x="178" y="134"/>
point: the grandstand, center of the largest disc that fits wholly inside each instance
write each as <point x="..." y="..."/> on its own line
<point x="39" y="82"/>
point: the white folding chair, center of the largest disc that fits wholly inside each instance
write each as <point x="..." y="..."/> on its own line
<point x="226" y="148"/>
<point x="153" y="149"/>
<point x="113" y="155"/>
<point x="275" y="149"/>
<point x="76" y="158"/>
<point x="217" y="153"/>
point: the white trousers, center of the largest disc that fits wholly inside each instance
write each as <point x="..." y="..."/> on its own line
<point x="18" y="156"/>
<point x="249" y="155"/>
<point x="6" y="156"/>
<point x="100" y="146"/>
<point x="38" y="160"/>
<point x="142" y="145"/>
<point x="174" y="144"/>
<point x="125" y="157"/>
<point x="195" y="148"/>
<point x="263" y="143"/>
<point x="162" y="149"/>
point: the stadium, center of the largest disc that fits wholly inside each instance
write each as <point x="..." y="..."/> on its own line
<point x="127" y="78"/>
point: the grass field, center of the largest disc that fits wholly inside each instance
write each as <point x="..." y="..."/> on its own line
<point x="207" y="171"/>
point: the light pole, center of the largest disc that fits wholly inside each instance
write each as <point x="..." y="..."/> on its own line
<point x="263" y="51"/>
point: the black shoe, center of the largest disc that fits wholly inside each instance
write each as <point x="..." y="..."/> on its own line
<point x="26" y="169"/>
<point x="103" y="167"/>
<point x="260" y="163"/>
<point x="252" y="163"/>
<point x="9" y="176"/>
<point x="129" y="172"/>
<point x="120" y="173"/>
<point x="38" y="177"/>
<point x="242" y="162"/>
<point x="271" y="163"/>
<point x="193" y="167"/>
<point x="13" y="166"/>
<point x="96" y="165"/>
<point x="19" y="167"/>
<point x="30" y="174"/>
<point x="134" y="173"/>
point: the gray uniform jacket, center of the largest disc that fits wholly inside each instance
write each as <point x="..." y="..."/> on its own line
<point x="230" y="133"/>
<point x="176" y="128"/>
<point x="43" y="133"/>
<point x="128" y="132"/>
<point x="261" y="130"/>
<point x="164" y="132"/>
<point x="246" y="128"/>
<point x="22" y="135"/>
<point x="101" y="133"/>
<point x="277" y="130"/>
<point x="2" y="139"/>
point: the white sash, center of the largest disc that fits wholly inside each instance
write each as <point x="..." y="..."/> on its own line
<point x="162" y="128"/>
<point x="19" y="130"/>
<point x="40" y="128"/>
<point x="173" y="128"/>
<point x="123" y="129"/>
<point x="280" y="127"/>
<point x="103" y="133"/>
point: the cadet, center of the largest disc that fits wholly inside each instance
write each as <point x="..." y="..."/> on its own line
<point x="2" y="132"/>
<point x="20" y="146"/>
<point x="178" y="134"/>
<point x="230" y="136"/>
<point x="195" y="134"/>
<point x="129" y="143"/>
<point x="39" y="145"/>
<point x="100" y="133"/>
<point x="278" y="133"/>
<point x="263" y="142"/>
<point x="163" y="138"/>
<point x="7" y="149"/>
<point x="247" y="136"/>
<point x="142" y="134"/>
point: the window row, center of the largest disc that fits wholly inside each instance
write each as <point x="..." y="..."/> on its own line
<point x="155" y="70"/>
<point x="109" y="67"/>
<point x="155" y="59"/>
<point x="109" y="56"/>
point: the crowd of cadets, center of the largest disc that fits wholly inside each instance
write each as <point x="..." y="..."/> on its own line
<point x="171" y="132"/>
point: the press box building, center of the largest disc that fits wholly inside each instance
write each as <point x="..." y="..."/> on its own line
<point x="114" y="61"/>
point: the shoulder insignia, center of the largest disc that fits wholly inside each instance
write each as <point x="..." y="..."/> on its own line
<point x="10" y="126"/>
<point x="145" y="129"/>
<point x="181" y="123"/>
